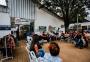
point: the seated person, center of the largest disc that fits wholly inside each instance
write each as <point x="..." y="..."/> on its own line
<point x="85" y="41"/>
<point x="39" y="51"/>
<point x="36" y="39"/>
<point x="44" y="36"/>
<point x="62" y="35"/>
<point x="53" y="55"/>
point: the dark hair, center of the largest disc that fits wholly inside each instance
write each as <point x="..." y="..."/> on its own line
<point x="54" y="49"/>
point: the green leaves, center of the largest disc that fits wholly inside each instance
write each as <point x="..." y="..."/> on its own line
<point x="68" y="8"/>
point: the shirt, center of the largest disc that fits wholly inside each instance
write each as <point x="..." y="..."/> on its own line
<point x="49" y="58"/>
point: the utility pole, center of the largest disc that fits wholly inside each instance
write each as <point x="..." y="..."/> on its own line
<point x="77" y="22"/>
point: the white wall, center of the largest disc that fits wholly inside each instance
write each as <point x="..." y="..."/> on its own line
<point x="85" y="24"/>
<point x="45" y="19"/>
<point x="4" y="20"/>
<point x="82" y="24"/>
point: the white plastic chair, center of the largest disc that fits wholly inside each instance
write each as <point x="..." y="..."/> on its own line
<point x="33" y="57"/>
<point x="29" y="39"/>
<point x="29" y="55"/>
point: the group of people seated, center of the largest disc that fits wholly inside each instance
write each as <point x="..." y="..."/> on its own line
<point x="45" y="36"/>
<point x="80" y="41"/>
<point x="42" y="56"/>
<point x="51" y="56"/>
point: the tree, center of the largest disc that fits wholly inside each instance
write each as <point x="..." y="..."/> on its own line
<point x="88" y="3"/>
<point x="68" y="8"/>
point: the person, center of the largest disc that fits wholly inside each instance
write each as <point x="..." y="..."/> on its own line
<point x="53" y="56"/>
<point x="78" y="40"/>
<point x="10" y="45"/>
<point x="44" y="36"/>
<point x="39" y="52"/>
<point x="36" y="39"/>
<point x="62" y="35"/>
<point x="85" y="40"/>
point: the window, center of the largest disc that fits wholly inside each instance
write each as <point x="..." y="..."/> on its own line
<point x="5" y="27"/>
<point x="42" y="28"/>
<point x="51" y="29"/>
<point x="88" y="27"/>
<point x="62" y="26"/>
<point x="84" y="27"/>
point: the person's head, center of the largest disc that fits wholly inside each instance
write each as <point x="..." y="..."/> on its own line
<point x="9" y="35"/>
<point x="54" y="49"/>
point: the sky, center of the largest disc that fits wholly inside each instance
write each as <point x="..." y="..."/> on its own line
<point x="3" y="2"/>
<point x="88" y="16"/>
<point x="89" y="13"/>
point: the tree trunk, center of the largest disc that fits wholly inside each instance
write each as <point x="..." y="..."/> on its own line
<point x="66" y="23"/>
<point x="66" y="18"/>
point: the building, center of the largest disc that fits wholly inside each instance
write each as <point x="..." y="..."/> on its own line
<point x="25" y="15"/>
<point x="4" y="19"/>
<point x="80" y="26"/>
<point x="46" y="21"/>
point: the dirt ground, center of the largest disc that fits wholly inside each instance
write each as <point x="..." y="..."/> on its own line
<point x="69" y="53"/>
<point x="20" y="54"/>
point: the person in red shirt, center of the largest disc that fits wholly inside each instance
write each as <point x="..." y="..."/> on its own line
<point x="10" y="45"/>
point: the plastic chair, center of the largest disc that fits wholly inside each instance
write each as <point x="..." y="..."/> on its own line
<point x="28" y="44"/>
<point x="29" y="39"/>
<point x="33" y="57"/>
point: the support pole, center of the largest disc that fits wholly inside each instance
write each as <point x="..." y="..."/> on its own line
<point x="77" y="22"/>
